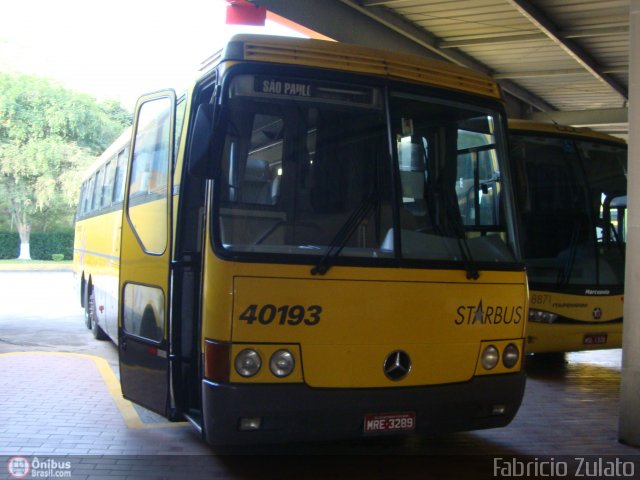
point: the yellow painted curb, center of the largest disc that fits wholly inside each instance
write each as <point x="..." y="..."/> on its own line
<point x="129" y="414"/>
<point x="36" y="267"/>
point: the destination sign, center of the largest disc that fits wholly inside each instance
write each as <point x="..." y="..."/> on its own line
<point x="317" y="90"/>
<point x="283" y="87"/>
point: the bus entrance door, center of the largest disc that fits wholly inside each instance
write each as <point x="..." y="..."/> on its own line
<point x="145" y="256"/>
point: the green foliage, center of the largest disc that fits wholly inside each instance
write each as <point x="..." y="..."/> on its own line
<point x="33" y="108"/>
<point x="43" y="245"/>
<point x="9" y="245"/>
<point x="48" y="136"/>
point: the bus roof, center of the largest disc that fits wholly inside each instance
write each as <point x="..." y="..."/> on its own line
<point x="540" y="127"/>
<point x="354" y="58"/>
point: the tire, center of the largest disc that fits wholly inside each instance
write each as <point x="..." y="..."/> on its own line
<point x="87" y="314"/>
<point x="90" y="310"/>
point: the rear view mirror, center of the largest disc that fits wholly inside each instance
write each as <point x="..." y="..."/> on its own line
<point x="200" y="161"/>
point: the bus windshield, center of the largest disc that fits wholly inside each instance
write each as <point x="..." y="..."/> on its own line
<point x="313" y="168"/>
<point x="572" y="203"/>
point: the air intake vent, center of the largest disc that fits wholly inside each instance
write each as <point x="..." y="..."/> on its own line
<point x="356" y="59"/>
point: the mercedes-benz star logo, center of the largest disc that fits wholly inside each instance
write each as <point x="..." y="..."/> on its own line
<point x="397" y="365"/>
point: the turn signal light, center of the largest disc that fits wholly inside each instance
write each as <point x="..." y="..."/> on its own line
<point x="216" y="360"/>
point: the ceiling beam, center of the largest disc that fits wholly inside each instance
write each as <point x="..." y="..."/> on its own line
<point x="585" y="118"/>
<point x="595" y="31"/>
<point x="540" y="20"/>
<point x="492" y="39"/>
<point x="556" y="72"/>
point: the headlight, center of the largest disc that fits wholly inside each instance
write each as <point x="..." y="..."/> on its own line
<point x="510" y="356"/>
<point x="282" y="363"/>
<point x="490" y="357"/>
<point x="541" y="317"/>
<point x="248" y="362"/>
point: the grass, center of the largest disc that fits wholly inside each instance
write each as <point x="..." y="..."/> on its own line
<point x="23" y="265"/>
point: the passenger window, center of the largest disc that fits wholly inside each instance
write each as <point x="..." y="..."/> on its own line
<point x="89" y="195"/>
<point x="120" y="175"/>
<point x="97" y="192"/>
<point x="107" y="191"/>
<point x="143" y="312"/>
<point x="147" y="206"/>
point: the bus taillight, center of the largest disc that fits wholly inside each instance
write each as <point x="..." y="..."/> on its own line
<point x="216" y="360"/>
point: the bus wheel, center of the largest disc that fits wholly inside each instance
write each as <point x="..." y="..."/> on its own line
<point x="87" y="314"/>
<point x="97" y="331"/>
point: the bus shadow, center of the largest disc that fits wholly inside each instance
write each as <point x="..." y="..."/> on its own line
<point x="455" y="455"/>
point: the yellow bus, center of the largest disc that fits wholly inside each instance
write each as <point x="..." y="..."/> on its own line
<point x="96" y="258"/>
<point x="571" y="195"/>
<point x="318" y="241"/>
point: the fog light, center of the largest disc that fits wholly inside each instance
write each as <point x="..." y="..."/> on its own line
<point x="281" y="363"/>
<point x="490" y="357"/>
<point x="249" y="423"/>
<point x="498" y="410"/>
<point x="248" y="362"/>
<point x="510" y="356"/>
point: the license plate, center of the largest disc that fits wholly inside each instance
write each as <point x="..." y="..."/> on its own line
<point x="595" y="339"/>
<point x="389" y="422"/>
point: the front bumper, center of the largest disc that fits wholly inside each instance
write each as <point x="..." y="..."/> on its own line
<point x="296" y="412"/>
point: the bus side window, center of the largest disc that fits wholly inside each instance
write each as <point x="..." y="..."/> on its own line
<point x="97" y="193"/>
<point x="143" y="313"/>
<point x="107" y="190"/>
<point x="89" y="195"/>
<point x="120" y="175"/>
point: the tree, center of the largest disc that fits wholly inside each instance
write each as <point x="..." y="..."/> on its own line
<point x="48" y="135"/>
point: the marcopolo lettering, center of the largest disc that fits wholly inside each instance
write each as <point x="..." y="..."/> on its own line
<point x="488" y="314"/>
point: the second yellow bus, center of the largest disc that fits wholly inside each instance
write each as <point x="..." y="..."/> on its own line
<point x="571" y="191"/>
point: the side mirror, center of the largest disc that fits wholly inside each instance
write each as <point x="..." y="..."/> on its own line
<point x="207" y="141"/>
<point x="199" y="149"/>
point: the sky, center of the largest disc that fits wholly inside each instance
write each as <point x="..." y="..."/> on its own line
<point x="115" y="49"/>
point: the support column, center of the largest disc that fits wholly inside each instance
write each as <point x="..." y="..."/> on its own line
<point x="629" y="426"/>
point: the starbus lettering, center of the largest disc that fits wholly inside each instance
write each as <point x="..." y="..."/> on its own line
<point x="488" y="314"/>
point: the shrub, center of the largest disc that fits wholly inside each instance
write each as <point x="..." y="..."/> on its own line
<point x="9" y="245"/>
<point x="42" y="245"/>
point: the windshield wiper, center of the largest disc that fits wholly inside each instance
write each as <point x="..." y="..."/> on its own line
<point x="459" y="232"/>
<point x="566" y="270"/>
<point x="467" y="258"/>
<point x="344" y="234"/>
